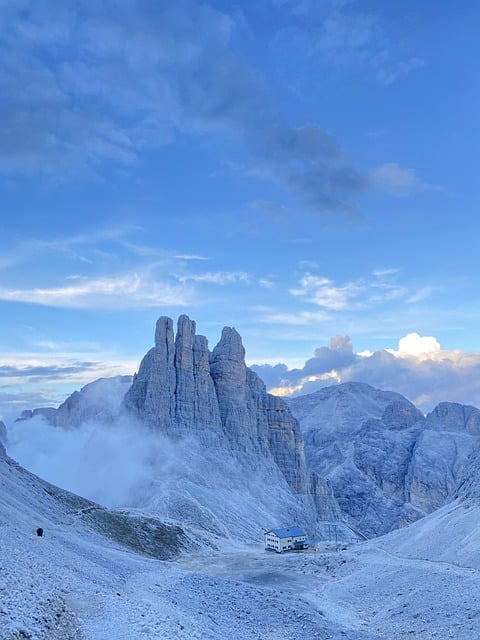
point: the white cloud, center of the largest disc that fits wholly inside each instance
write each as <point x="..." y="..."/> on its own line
<point x="399" y="181"/>
<point x="216" y="277"/>
<point x="302" y="318"/>
<point x="370" y="291"/>
<point x="125" y="291"/>
<point x="190" y="256"/>
<point x="323" y="292"/>
<point x="266" y="283"/>
<point x="415" y="345"/>
<point x="419" y="369"/>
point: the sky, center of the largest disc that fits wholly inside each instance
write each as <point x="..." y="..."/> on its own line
<point x="302" y="170"/>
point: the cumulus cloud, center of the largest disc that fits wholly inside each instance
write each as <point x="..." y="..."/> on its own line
<point x="418" y="368"/>
<point x="415" y="345"/>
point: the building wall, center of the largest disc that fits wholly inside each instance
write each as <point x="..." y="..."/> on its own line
<point x="272" y="541"/>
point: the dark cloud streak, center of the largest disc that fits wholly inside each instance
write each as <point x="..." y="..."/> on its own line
<point x="92" y="82"/>
<point x="43" y="373"/>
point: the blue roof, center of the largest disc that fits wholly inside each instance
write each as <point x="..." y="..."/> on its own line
<point x="287" y="532"/>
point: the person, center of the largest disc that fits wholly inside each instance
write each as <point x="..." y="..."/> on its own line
<point x="40" y="531"/>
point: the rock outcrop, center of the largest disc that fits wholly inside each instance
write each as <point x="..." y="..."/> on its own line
<point x="98" y="401"/>
<point x="223" y="456"/>
<point x="3" y="437"/>
<point x="387" y="463"/>
<point x="450" y="434"/>
<point x="183" y="389"/>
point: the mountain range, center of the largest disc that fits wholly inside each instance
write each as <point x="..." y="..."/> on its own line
<point x="211" y="461"/>
<point x="242" y="460"/>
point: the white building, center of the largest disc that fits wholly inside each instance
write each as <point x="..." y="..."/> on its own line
<point x="285" y="539"/>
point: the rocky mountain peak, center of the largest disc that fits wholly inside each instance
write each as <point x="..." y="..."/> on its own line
<point x="451" y="416"/>
<point x="181" y="388"/>
<point x="230" y="347"/>
<point x="401" y="414"/>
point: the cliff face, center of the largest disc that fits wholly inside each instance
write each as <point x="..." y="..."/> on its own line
<point x="388" y="464"/>
<point x="223" y="455"/>
<point x="181" y="388"/>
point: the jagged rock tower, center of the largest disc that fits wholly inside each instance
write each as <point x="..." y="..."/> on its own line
<point x="181" y="388"/>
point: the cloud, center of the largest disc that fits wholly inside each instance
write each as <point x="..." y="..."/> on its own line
<point x="42" y="373"/>
<point x="309" y="162"/>
<point x="190" y="256"/>
<point x="50" y="371"/>
<point x="377" y="288"/>
<point x="300" y="318"/>
<point x="418" y="368"/>
<point x="323" y="292"/>
<point x="217" y="277"/>
<point x="61" y="368"/>
<point x="109" y="80"/>
<point x="125" y="291"/>
<point x="85" y="248"/>
<point x="113" y="465"/>
<point x="337" y="34"/>
<point x="415" y="345"/>
<point x="398" y="181"/>
<point x="12" y="403"/>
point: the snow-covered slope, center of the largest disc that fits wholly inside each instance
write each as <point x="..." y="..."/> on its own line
<point x="340" y="409"/>
<point x="84" y="579"/>
<point x="76" y="583"/>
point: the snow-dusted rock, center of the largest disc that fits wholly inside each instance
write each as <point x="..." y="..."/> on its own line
<point x="173" y="390"/>
<point x="97" y="401"/>
<point x="451" y="434"/>
<point x="248" y="448"/>
<point x="182" y="389"/>
<point x="387" y="463"/>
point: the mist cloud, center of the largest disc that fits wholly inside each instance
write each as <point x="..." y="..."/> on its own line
<point x="112" y="464"/>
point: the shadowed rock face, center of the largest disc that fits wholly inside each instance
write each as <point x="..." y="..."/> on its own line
<point x="234" y="454"/>
<point x="181" y="388"/>
<point x="3" y="437"/>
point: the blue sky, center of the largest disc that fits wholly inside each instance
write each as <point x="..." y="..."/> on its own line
<point x="302" y="170"/>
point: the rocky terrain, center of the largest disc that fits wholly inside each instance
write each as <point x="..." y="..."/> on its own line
<point x="183" y="389"/>
<point x="215" y="460"/>
<point x="220" y="454"/>
<point x="84" y="580"/>
<point x="388" y="464"/>
<point x="231" y="459"/>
